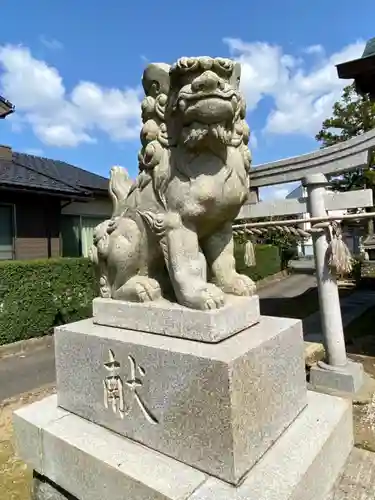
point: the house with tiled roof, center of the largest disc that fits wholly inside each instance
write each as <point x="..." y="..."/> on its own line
<point x="48" y="208"/>
<point x="6" y="107"/>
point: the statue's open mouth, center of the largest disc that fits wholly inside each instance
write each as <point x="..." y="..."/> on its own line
<point x="208" y="108"/>
<point x="195" y="96"/>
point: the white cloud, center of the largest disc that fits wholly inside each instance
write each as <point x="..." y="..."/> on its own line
<point x="51" y="43"/>
<point x="253" y="142"/>
<point x="302" y="91"/>
<point x="314" y="49"/>
<point x="302" y="96"/>
<point x="263" y="68"/>
<point x="279" y="192"/>
<point x="61" y="118"/>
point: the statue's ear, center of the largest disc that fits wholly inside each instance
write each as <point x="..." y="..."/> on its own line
<point x="156" y="79"/>
<point x="236" y="75"/>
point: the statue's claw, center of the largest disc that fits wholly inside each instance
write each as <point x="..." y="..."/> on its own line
<point x="139" y="289"/>
<point x="207" y="296"/>
<point x="239" y="284"/>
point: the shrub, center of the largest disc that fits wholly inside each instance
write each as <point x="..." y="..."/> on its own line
<point x="267" y="257"/>
<point x="37" y="295"/>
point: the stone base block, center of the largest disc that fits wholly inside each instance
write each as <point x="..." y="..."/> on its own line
<point x="346" y="379"/>
<point x="44" y="489"/>
<point x="166" y="318"/>
<point x="88" y="462"/>
<point x="217" y="407"/>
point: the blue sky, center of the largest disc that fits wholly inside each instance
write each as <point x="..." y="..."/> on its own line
<point x="73" y="69"/>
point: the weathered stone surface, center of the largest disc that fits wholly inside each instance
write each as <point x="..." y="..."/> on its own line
<point x="303" y="464"/>
<point x="346" y="379"/>
<point x="92" y="463"/>
<point x="358" y="479"/>
<point x="28" y="424"/>
<point x="175" y="222"/>
<point x="43" y="489"/>
<point x="217" y="407"/>
<point x="341" y="157"/>
<point x="332" y="201"/>
<point x="166" y="318"/>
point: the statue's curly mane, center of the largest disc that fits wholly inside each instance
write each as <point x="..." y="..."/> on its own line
<point x="159" y="134"/>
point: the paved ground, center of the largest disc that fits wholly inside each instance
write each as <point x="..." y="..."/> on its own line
<point x="352" y="307"/>
<point x="28" y="371"/>
<point x="358" y="480"/>
<point x="25" y="372"/>
<point x="293" y="285"/>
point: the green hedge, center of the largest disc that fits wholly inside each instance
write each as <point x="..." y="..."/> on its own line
<point x="37" y="295"/>
<point x="268" y="261"/>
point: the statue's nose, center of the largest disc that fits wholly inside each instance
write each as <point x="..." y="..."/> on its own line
<point x="206" y="82"/>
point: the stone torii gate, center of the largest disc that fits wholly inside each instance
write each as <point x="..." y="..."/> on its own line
<point x="311" y="169"/>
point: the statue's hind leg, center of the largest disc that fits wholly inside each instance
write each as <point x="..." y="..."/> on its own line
<point x="131" y="254"/>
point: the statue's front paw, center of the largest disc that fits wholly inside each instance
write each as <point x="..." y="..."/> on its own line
<point x="205" y="297"/>
<point x="147" y="289"/>
<point x="139" y="289"/>
<point x="213" y="297"/>
<point x="241" y="285"/>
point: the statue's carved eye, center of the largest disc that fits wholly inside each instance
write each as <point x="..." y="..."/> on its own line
<point x="187" y="78"/>
<point x="155" y="87"/>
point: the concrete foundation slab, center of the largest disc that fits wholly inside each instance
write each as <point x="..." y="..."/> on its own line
<point x="216" y="407"/>
<point x="347" y="379"/>
<point x="358" y="479"/>
<point x="29" y="429"/>
<point x="171" y="319"/>
<point x="44" y="489"/>
<point x="89" y="462"/>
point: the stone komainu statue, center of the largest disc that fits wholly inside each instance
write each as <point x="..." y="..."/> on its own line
<point x="170" y="233"/>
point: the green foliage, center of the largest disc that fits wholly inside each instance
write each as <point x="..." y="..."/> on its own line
<point x="352" y="115"/>
<point x="287" y="243"/>
<point x="268" y="261"/>
<point x="37" y="295"/>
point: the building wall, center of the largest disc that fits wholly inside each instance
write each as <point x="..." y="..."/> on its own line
<point x="98" y="207"/>
<point x="37" y="222"/>
<point x="36" y="225"/>
<point x="78" y="222"/>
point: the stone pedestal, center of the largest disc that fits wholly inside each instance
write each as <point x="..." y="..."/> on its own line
<point x="89" y="462"/>
<point x="216" y="407"/>
<point x="162" y="317"/>
<point x="143" y="415"/>
<point x="348" y="378"/>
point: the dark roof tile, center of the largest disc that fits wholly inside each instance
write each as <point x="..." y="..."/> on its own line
<point x="6" y="107"/>
<point x="34" y="172"/>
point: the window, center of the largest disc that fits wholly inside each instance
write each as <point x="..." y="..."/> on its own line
<point x="70" y="236"/>
<point x="6" y="232"/>
<point x="77" y="232"/>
